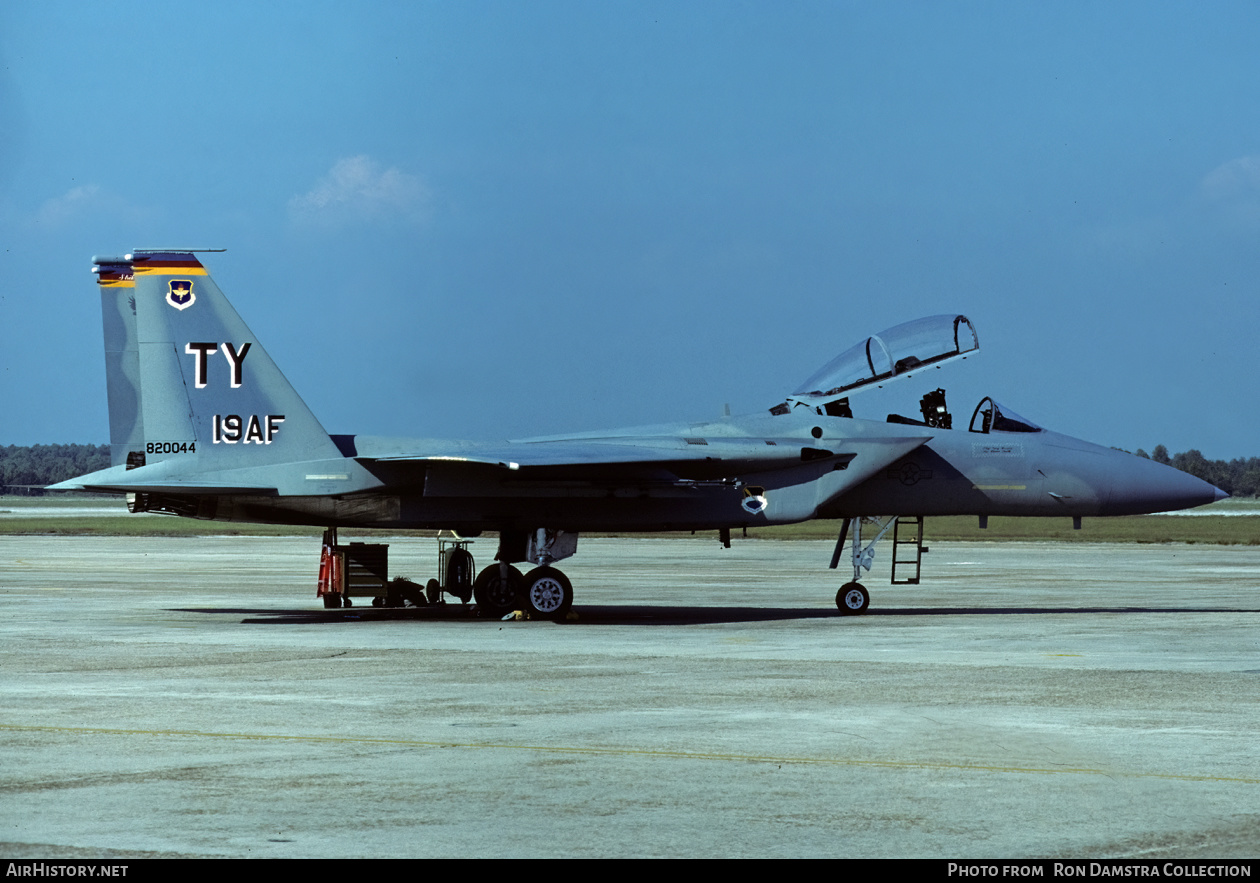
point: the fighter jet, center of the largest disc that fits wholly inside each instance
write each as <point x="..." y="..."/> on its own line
<point x="204" y="425"/>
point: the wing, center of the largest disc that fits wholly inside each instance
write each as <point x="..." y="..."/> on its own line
<point x="666" y="459"/>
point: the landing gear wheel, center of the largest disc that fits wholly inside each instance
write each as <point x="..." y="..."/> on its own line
<point x="497" y="589"/>
<point x="548" y="593"/>
<point x="853" y="599"/>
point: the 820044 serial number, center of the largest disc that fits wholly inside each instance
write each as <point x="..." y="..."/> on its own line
<point x="171" y="447"/>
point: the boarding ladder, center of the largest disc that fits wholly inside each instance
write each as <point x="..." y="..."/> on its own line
<point x="908" y="551"/>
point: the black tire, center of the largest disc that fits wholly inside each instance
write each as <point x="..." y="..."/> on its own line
<point x="497" y="590"/>
<point x="853" y="599"/>
<point x="548" y="593"/>
<point x="332" y="600"/>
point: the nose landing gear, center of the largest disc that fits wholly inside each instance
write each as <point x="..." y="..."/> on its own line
<point x="853" y="599"/>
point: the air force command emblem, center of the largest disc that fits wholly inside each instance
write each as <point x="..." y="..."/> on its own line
<point x="181" y="295"/>
<point x="755" y="502"/>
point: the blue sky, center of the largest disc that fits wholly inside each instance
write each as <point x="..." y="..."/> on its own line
<point x="493" y="220"/>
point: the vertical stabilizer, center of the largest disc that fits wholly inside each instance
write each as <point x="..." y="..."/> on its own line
<point x="122" y="357"/>
<point x="187" y="378"/>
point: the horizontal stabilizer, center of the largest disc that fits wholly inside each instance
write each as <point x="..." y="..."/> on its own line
<point x="188" y="488"/>
<point x="139" y="487"/>
<point x="117" y="480"/>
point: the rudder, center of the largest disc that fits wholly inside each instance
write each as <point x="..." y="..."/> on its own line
<point x="122" y="356"/>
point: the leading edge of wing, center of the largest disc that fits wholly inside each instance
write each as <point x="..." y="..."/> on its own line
<point x="696" y="458"/>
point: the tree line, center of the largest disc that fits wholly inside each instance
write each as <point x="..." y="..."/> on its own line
<point x="25" y="469"/>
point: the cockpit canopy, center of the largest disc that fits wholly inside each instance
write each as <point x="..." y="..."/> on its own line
<point x="989" y="416"/>
<point x="898" y="352"/>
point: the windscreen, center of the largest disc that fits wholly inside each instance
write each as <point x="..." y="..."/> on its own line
<point x="989" y="416"/>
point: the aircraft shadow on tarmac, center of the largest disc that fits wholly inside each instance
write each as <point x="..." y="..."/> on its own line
<point x="623" y="614"/>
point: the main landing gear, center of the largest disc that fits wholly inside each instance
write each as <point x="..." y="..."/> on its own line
<point x="908" y="550"/>
<point x="496" y="589"/>
<point x="543" y="593"/>
<point x="548" y="592"/>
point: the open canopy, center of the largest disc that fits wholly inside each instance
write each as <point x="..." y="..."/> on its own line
<point x="898" y="352"/>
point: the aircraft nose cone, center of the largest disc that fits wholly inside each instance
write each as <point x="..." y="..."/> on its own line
<point x="1140" y="486"/>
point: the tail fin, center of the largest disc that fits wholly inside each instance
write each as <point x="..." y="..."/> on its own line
<point x="186" y="376"/>
<point x="122" y="356"/>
